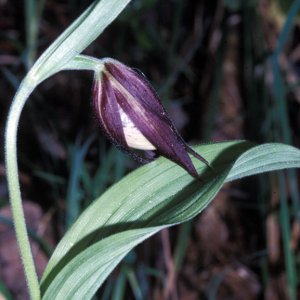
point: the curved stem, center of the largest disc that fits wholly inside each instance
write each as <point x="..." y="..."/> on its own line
<point x="27" y="86"/>
<point x="20" y="98"/>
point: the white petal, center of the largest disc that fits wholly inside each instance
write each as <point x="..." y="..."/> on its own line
<point x="134" y="138"/>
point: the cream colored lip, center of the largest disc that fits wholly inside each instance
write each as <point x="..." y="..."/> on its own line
<point x="134" y="138"/>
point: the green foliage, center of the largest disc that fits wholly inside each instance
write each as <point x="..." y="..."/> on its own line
<point x="153" y="197"/>
<point x="4" y="293"/>
<point x="84" y="30"/>
<point x="59" y="54"/>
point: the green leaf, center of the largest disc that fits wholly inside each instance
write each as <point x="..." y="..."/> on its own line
<point x="4" y="293"/>
<point x="78" y="36"/>
<point x="153" y="197"/>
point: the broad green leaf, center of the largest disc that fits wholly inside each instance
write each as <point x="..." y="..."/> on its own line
<point x="153" y="197"/>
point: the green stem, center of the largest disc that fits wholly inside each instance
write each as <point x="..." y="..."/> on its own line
<point x="80" y="62"/>
<point x="20" y="98"/>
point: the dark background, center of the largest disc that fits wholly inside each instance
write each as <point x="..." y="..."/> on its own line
<point x="211" y="63"/>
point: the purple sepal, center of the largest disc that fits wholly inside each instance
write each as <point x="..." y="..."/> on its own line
<point x="106" y="108"/>
<point x="125" y="88"/>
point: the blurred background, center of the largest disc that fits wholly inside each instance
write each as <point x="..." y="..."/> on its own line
<point x="224" y="70"/>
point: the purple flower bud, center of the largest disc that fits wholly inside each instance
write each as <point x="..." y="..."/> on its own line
<point x="132" y="116"/>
